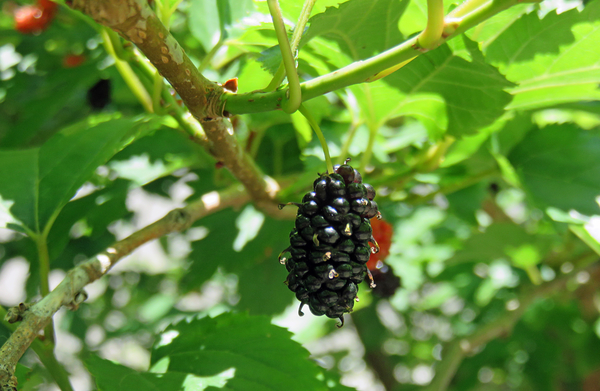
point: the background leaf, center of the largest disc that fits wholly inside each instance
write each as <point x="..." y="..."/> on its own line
<point x="560" y="167"/>
<point x="441" y="89"/>
<point x="41" y="181"/>
<point x="538" y="55"/>
<point x="262" y="355"/>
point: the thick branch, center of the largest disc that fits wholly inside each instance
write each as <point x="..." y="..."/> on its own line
<point x="135" y="21"/>
<point x="69" y="291"/>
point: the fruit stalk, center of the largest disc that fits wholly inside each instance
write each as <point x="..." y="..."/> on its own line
<point x="320" y="136"/>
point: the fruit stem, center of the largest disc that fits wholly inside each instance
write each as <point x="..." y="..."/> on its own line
<point x="294" y="94"/>
<point x="350" y="136"/>
<point x="322" y="140"/>
<point x="296" y="36"/>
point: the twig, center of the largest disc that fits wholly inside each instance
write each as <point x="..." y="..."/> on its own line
<point x="456" y="351"/>
<point x="364" y="70"/>
<point x="41" y="242"/>
<point x="45" y="354"/>
<point x="70" y="291"/>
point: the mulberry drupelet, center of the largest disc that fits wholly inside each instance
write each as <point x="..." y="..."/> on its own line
<point x="329" y="245"/>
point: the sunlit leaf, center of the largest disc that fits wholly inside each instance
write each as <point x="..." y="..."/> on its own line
<point x="114" y="377"/>
<point x="262" y="355"/>
<point x="539" y="55"/>
<point x="41" y="181"/>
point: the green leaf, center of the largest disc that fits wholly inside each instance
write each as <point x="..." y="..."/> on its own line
<point x="96" y="211"/>
<point x="262" y="290"/>
<point x="210" y="21"/>
<point x="260" y="252"/>
<point x="559" y="166"/>
<point x="553" y="60"/>
<point x="498" y="241"/>
<point x="465" y="202"/>
<point x="29" y="379"/>
<point x="262" y="355"/>
<point x="587" y="235"/>
<point x="489" y="30"/>
<point x="34" y="109"/>
<point x="442" y="89"/>
<point x="291" y="9"/>
<point x="40" y="181"/>
<point x="303" y="129"/>
<point x="351" y="27"/>
<point x="445" y="91"/>
<point x="114" y="377"/>
<point x="467" y="146"/>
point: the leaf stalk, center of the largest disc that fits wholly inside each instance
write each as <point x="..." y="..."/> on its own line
<point x="320" y="135"/>
<point x="294" y="93"/>
<point x="430" y="38"/>
<point x="360" y="71"/>
<point x="295" y="43"/>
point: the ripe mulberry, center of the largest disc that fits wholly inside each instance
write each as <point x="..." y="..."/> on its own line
<point x="329" y="245"/>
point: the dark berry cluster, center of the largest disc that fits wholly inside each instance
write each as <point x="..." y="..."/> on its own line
<point x="330" y="243"/>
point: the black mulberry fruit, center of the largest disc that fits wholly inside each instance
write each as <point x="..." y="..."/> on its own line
<point x="330" y="243"/>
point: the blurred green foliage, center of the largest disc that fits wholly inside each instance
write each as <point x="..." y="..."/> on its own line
<point x="495" y="237"/>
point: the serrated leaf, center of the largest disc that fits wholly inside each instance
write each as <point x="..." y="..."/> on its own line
<point x="27" y="94"/>
<point x="345" y="34"/>
<point x="114" y="377"/>
<point x="271" y="239"/>
<point x="291" y="9"/>
<point x="98" y="210"/>
<point x="40" y="181"/>
<point x="262" y="290"/>
<point x="553" y="60"/>
<point x="351" y="26"/>
<point x="559" y="166"/>
<point x="443" y="90"/>
<point x="488" y="31"/>
<point x="262" y="355"/>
